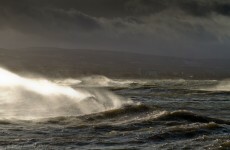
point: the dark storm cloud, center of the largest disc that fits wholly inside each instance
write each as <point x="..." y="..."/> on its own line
<point x="86" y="14"/>
<point x="118" y="8"/>
<point x="192" y="7"/>
<point x="155" y="26"/>
<point x="31" y="17"/>
<point x="113" y="8"/>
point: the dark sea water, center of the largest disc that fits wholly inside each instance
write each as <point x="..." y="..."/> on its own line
<point x="164" y="114"/>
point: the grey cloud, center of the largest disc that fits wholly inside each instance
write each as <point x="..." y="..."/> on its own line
<point x="114" y="8"/>
<point x="201" y="8"/>
<point x="153" y="26"/>
<point x="117" y="8"/>
<point x="48" y="18"/>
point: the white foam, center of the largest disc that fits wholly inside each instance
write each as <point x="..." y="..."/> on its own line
<point x="221" y="86"/>
<point x="25" y="98"/>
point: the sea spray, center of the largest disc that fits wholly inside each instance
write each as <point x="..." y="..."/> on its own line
<point x="25" y="98"/>
<point x="217" y="86"/>
<point x="222" y="86"/>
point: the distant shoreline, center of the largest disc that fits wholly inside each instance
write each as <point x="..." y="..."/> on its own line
<point x="58" y="63"/>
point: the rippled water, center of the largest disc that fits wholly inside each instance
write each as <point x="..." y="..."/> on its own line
<point x="164" y="114"/>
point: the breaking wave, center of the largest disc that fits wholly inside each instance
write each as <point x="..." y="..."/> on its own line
<point x="220" y="86"/>
<point x="99" y="81"/>
<point x="26" y="98"/>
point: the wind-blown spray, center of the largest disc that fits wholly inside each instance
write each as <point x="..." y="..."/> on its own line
<point x="25" y="98"/>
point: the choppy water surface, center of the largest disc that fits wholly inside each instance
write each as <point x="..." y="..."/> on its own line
<point x="146" y="114"/>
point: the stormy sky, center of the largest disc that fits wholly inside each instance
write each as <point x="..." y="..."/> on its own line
<point x="182" y="28"/>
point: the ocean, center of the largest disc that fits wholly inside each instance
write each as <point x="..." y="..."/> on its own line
<point x="101" y="113"/>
